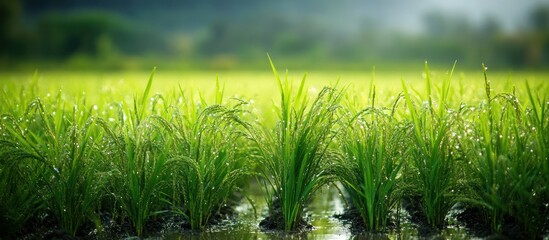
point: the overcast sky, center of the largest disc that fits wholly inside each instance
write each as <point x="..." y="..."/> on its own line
<point x="402" y="15"/>
<point x="408" y="15"/>
<point x="511" y="13"/>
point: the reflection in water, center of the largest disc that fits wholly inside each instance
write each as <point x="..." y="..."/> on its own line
<point x="320" y="212"/>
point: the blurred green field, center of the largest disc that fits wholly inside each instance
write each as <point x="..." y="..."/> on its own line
<point x="103" y="88"/>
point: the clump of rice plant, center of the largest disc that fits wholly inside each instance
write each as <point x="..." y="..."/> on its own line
<point x="139" y="153"/>
<point x="141" y="173"/>
<point x="508" y="159"/>
<point x="370" y="166"/>
<point x="294" y="159"/>
<point x="19" y="200"/>
<point x="538" y="114"/>
<point x="432" y="154"/>
<point x="62" y="147"/>
<point x="538" y="118"/>
<point x="207" y="144"/>
<point x="20" y="178"/>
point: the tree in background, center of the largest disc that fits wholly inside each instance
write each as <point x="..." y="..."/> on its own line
<point x="10" y="13"/>
<point x="538" y="47"/>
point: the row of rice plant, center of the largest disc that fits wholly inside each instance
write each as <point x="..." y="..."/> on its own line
<point x="431" y="151"/>
<point x="80" y="167"/>
<point x="72" y="168"/>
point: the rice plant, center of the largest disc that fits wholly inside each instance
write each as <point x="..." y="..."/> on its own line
<point x="538" y="116"/>
<point x="539" y="119"/>
<point x="509" y="163"/>
<point x="207" y="144"/>
<point x="370" y="167"/>
<point x="64" y="145"/>
<point x="20" y="178"/>
<point x="140" y="155"/>
<point x="432" y="155"/>
<point x="294" y="158"/>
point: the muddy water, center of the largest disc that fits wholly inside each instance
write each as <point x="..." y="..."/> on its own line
<point x="320" y="213"/>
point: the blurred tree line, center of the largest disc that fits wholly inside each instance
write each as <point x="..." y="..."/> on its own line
<point x="87" y="36"/>
<point x="92" y="37"/>
<point x="452" y="36"/>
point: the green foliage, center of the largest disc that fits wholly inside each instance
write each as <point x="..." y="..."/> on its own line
<point x="294" y="158"/>
<point x="18" y="183"/>
<point x="369" y="170"/>
<point x="62" y="146"/>
<point x="433" y="158"/>
<point x="510" y="160"/>
<point x="64" y="35"/>
<point x="139" y="152"/>
<point x="142" y="171"/>
<point x="207" y="143"/>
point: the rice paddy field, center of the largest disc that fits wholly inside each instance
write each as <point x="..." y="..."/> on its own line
<point x="274" y="154"/>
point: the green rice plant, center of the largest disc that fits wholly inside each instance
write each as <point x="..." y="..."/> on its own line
<point x="20" y="178"/>
<point x="509" y="162"/>
<point x="432" y="155"/>
<point x="294" y="158"/>
<point x="539" y="120"/>
<point x="538" y="116"/>
<point x="142" y="171"/>
<point x="64" y="145"/>
<point x="207" y="144"/>
<point x="370" y="167"/>
<point x="140" y="155"/>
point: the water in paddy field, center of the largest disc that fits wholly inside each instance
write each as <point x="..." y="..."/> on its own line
<point x="320" y="213"/>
